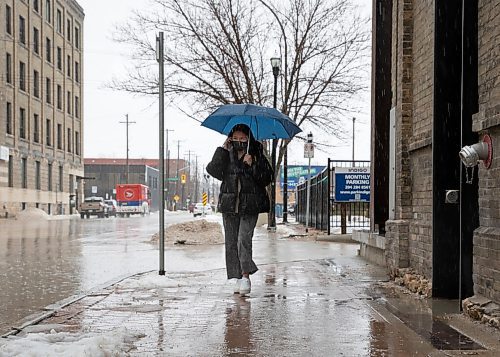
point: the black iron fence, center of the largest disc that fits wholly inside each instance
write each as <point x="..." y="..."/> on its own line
<point x="324" y="212"/>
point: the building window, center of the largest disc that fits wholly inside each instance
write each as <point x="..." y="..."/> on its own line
<point x="71" y="183"/>
<point x="59" y="21"/>
<point x="8" y="68"/>
<point x="68" y="34"/>
<point x="36" y="84"/>
<point x="68" y="69"/>
<point x="11" y="171"/>
<point x="37" y="176"/>
<point x="77" y="37"/>
<point x="77" y="72"/>
<point x="77" y="107"/>
<point x="47" y="133"/>
<point x="8" y="19"/>
<point x="61" y="179"/>
<point x="22" y="123"/>
<point x="68" y="102"/>
<point x="22" y="76"/>
<point x="36" y="128"/>
<point x="35" y="5"/>
<point x="68" y="144"/>
<point x="22" y="30"/>
<point x="49" y="177"/>
<point x="36" y="41"/>
<point x="59" y="58"/>
<point x="59" y="136"/>
<point x="77" y="143"/>
<point x="48" y="11"/>
<point x="24" y="172"/>
<point x="59" y="97"/>
<point x="9" y="118"/>
<point x="48" y="91"/>
<point x="48" y="49"/>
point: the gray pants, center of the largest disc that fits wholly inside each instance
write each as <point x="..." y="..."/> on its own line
<point x="238" y="236"/>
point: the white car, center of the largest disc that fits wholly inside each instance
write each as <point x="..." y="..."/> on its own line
<point x="199" y="209"/>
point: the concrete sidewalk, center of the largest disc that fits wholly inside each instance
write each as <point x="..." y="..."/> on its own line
<point x="336" y="306"/>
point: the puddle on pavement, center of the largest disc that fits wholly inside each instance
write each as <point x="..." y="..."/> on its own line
<point x="440" y="335"/>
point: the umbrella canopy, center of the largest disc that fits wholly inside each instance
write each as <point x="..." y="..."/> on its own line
<point x="265" y="123"/>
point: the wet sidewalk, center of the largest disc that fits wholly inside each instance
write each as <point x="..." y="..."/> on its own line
<point x="321" y="306"/>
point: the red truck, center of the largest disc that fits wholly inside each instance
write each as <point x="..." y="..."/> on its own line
<point x="132" y="199"/>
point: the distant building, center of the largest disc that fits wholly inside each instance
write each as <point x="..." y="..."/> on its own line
<point x="41" y="116"/>
<point x="103" y="174"/>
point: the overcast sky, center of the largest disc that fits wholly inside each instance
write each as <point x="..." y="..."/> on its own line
<point x="104" y="136"/>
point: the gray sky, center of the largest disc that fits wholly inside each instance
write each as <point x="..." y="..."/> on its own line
<point x="104" y="136"/>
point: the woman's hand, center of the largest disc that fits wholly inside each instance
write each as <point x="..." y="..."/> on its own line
<point x="227" y="143"/>
<point x="247" y="159"/>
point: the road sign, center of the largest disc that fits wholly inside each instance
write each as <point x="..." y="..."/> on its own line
<point x="308" y="150"/>
<point x="94" y="189"/>
<point x="172" y="179"/>
<point x="183" y="178"/>
<point x="352" y="184"/>
<point x="177" y="198"/>
<point x="204" y="198"/>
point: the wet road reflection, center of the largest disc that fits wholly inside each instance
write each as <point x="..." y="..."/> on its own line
<point x="42" y="262"/>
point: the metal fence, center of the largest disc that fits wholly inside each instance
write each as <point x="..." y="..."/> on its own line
<point x="324" y="212"/>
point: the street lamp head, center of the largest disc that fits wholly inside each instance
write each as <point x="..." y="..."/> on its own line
<point x="276" y="65"/>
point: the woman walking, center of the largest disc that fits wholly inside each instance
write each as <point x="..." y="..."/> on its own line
<point x="245" y="172"/>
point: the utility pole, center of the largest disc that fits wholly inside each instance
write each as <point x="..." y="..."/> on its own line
<point x="168" y="167"/>
<point x="160" y="59"/>
<point x="353" y="120"/>
<point x="177" y="171"/>
<point x="196" y="187"/>
<point x="128" y="123"/>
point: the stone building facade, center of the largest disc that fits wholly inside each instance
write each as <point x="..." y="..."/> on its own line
<point x="41" y="96"/>
<point x="436" y="89"/>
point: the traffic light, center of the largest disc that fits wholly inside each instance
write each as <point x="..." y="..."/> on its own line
<point x="183" y="178"/>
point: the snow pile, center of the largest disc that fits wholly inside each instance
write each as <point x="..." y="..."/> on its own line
<point x="113" y="343"/>
<point x="193" y="232"/>
<point x="32" y="213"/>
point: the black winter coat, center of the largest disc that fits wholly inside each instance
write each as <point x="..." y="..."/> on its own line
<point x="243" y="188"/>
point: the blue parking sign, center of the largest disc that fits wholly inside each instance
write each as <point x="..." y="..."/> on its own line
<point x="352" y="184"/>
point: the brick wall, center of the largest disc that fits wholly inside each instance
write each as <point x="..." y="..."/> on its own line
<point x="486" y="260"/>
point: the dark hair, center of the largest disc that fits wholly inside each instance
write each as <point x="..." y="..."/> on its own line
<point x="255" y="146"/>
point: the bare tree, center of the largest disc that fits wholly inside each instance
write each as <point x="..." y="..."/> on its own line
<point x="217" y="52"/>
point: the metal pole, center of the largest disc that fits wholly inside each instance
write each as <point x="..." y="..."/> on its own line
<point x="353" y="120"/>
<point x="285" y="183"/>
<point x="308" y="195"/>
<point x="167" y="163"/>
<point x="272" y="222"/>
<point x="159" y="42"/>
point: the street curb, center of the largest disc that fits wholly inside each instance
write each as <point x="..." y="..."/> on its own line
<point x="51" y="309"/>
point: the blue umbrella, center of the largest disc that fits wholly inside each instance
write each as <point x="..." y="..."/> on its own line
<point x="265" y="123"/>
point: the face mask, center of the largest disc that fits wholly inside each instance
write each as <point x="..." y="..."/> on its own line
<point x="240" y="145"/>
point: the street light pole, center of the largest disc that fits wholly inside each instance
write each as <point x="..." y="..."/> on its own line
<point x="127" y="123"/>
<point x="275" y="64"/>
<point x="160" y="59"/>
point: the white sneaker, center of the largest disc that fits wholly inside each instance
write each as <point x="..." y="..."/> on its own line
<point x="237" y="286"/>
<point x="245" y="286"/>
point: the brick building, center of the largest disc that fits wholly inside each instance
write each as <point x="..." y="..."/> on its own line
<point x="41" y="116"/>
<point x="435" y="89"/>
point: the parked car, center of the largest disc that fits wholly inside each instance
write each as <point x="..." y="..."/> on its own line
<point x="111" y="207"/>
<point x="199" y="209"/>
<point x="93" y="206"/>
